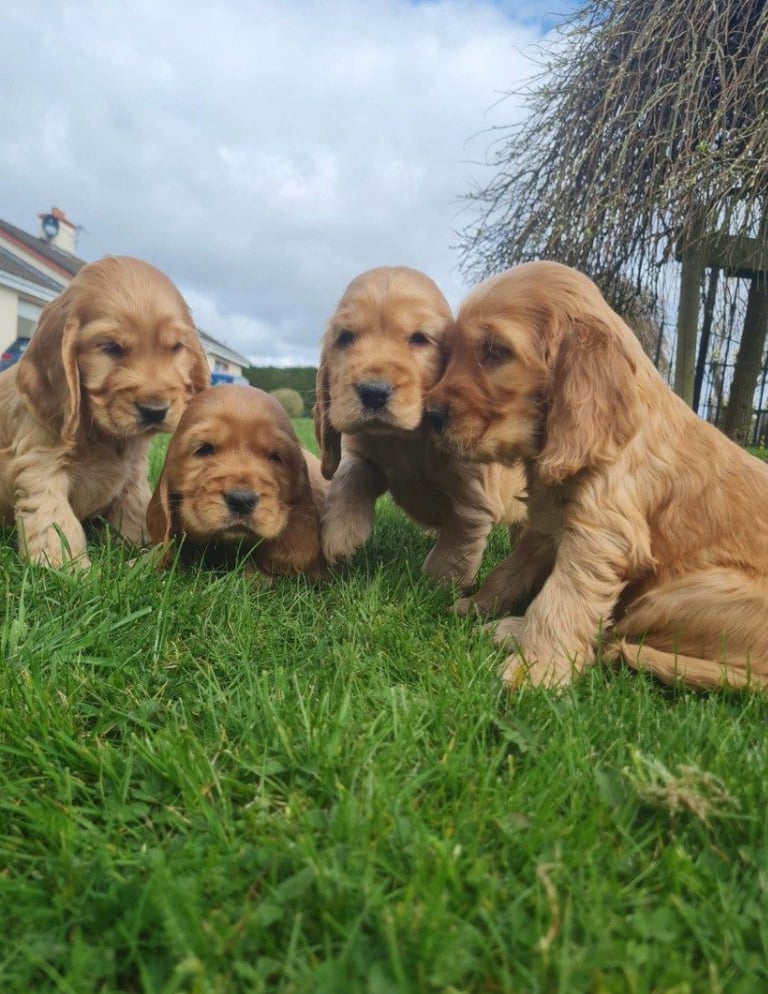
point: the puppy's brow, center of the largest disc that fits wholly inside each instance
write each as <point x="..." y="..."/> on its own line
<point x="169" y="329"/>
<point x="206" y="431"/>
<point x="103" y="327"/>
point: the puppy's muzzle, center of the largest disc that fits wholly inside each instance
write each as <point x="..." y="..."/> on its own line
<point x="374" y="394"/>
<point x="241" y="502"/>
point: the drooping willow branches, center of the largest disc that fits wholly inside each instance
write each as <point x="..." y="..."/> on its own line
<point x="648" y="122"/>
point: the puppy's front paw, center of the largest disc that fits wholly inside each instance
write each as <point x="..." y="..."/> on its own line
<point x="341" y="539"/>
<point x="513" y="672"/>
<point x="508" y="631"/>
<point x="517" y="670"/>
<point x="537" y="665"/>
<point x="463" y="606"/>
<point x="58" y="557"/>
<point x="471" y="606"/>
<point x="449" y="569"/>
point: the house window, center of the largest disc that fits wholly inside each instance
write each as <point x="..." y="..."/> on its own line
<point x="27" y="318"/>
<point x="220" y="367"/>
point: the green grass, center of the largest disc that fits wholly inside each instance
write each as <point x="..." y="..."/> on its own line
<point x="211" y="788"/>
<point x="306" y="432"/>
<point x="758" y="450"/>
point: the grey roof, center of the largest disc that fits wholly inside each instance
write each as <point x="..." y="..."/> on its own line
<point x="71" y="264"/>
<point x="211" y="344"/>
<point x="12" y="264"/>
<point x="56" y="256"/>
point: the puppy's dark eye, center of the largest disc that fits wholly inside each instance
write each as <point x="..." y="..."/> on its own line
<point x="113" y="349"/>
<point x="205" y="449"/>
<point x="419" y="338"/>
<point x="177" y="346"/>
<point x="275" y="457"/>
<point x="345" y="337"/>
<point x="494" y="353"/>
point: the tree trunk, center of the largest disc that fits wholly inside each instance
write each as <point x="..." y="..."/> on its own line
<point x="749" y="362"/>
<point x="706" y="334"/>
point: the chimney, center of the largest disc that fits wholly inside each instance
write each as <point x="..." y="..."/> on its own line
<point x="58" y="230"/>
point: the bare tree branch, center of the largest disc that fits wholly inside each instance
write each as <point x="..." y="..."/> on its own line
<point x="648" y="117"/>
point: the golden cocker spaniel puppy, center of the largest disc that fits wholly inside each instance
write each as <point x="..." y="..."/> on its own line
<point x="235" y="478"/>
<point x="114" y="360"/>
<point x="645" y="522"/>
<point x="383" y="350"/>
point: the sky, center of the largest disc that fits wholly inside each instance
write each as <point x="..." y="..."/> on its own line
<point x="262" y="153"/>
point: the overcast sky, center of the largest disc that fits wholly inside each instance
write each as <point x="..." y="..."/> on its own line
<point x="261" y="152"/>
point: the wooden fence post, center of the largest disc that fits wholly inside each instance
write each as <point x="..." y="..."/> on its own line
<point x="691" y="275"/>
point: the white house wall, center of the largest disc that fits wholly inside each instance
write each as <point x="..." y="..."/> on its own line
<point x="8" y="312"/>
<point x="13" y="289"/>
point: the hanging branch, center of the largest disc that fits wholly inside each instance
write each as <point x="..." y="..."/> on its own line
<point x="649" y="118"/>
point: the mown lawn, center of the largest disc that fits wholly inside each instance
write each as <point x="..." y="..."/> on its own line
<point x="209" y="788"/>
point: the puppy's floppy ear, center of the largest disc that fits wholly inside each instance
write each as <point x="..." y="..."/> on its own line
<point x="162" y="519"/>
<point x="201" y="371"/>
<point x="298" y="548"/>
<point x="160" y="524"/>
<point x="48" y="376"/>
<point x="592" y="401"/>
<point x="327" y="437"/>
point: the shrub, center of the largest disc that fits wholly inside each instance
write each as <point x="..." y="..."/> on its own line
<point x="301" y="378"/>
<point x="291" y="400"/>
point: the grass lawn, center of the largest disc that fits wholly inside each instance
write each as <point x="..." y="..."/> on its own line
<point x="207" y="788"/>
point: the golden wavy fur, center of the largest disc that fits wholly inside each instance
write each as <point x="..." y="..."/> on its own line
<point x="383" y="349"/>
<point x="645" y="522"/>
<point x="114" y="360"/>
<point x="236" y="477"/>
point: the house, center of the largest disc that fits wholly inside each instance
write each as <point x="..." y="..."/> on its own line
<point x="225" y="363"/>
<point x="34" y="269"/>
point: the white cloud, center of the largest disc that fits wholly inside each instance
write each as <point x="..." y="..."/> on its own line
<point x="261" y="153"/>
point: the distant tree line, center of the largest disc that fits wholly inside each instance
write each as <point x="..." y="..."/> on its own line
<point x="299" y="378"/>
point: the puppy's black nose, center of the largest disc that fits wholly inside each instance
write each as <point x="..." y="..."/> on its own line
<point x="241" y="501"/>
<point x="374" y="394"/>
<point x="437" y="417"/>
<point x="152" y="414"/>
